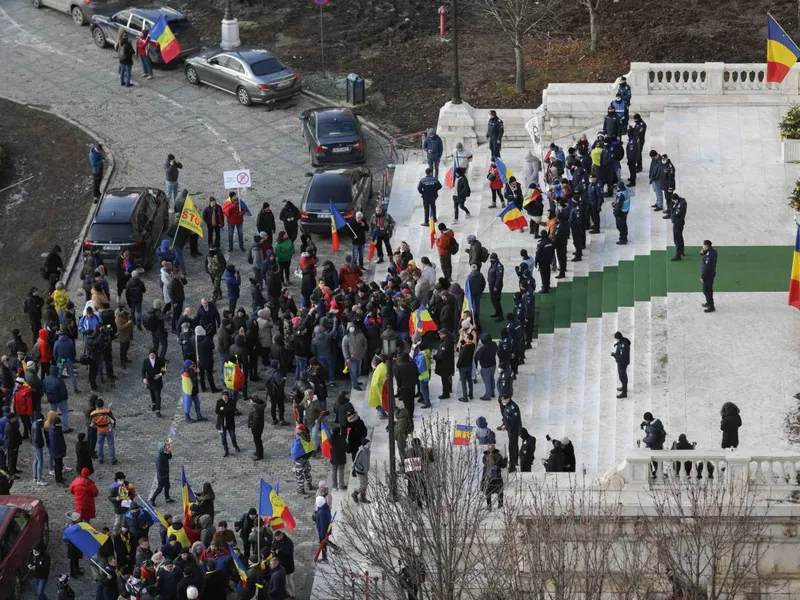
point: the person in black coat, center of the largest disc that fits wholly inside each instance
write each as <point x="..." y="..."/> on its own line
<point x="445" y="362"/>
<point x="568" y="451"/>
<point x="83" y="454"/>
<point x="265" y="222"/>
<point x="290" y="215"/>
<point x="622" y="356"/>
<point x="163" y="457"/>
<point x="342" y="407"/>
<point x="731" y="421"/>
<point x="255" y="421"/>
<point x="153" y="369"/>
<point x="527" y="451"/>
<point x="407" y="376"/>
<point x="226" y="425"/>
<point x="493" y="465"/>
<point x="356" y="433"/>
<point x="215" y="583"/>
<point x="338" y="455"/>
<point x="555" y="462"/>
<point x="283" y="549"/>
<point x="205" y="359"/>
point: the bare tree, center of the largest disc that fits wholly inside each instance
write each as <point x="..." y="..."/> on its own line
<point x="710" y="535"/>
<point x="517" y="19"/>
<point x="437" y="535"/>
<point x="593" y="6"/>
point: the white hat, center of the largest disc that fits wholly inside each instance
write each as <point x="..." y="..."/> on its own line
<point x="30" y="364"/>
<point x="199" y="330"/>
<point x="565" y="440"/>
<point x="321" y="501"/>
<point x="192" y="593"/>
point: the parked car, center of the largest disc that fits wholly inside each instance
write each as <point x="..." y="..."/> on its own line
<point x="333" y="136"/>
<point x="105" y="29"/>
<point x="128" y="218"/>
<point x="81" y="11"/>
<point x="350" y="189"/>
<point x="23" y="524"/>
<point x="253" y="76"/>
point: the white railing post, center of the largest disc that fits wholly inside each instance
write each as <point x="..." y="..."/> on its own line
<point x="639" y="78"/>
<point x="714" y="78"/>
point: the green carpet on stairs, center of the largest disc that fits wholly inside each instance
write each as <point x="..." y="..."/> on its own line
<point x="625" y="283"/>
<point x="610" y="291"/>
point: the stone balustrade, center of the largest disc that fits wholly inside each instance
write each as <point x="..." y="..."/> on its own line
<point x="717" y="79"/>
<point x="776" y="469"/>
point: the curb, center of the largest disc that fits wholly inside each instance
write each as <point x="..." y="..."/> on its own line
<point x="368" y="124"/>
<point x="107" y="174"/>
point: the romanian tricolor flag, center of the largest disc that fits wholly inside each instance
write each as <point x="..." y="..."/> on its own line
<point x="163" y="36"/>
<point x="240" y="568"/>
<point x="432" y="224"/>
<point x="782" y="52"/>
<point x="513" y="218"/>
<point x="450" y="176"/>
<point x="187" y="495"/>
<point x="466" y="304"/>
<point x="85" y="538"/>
<point x="337" y="223"/>
<point x="325" y="440"/>
<point x="462" y="435"/>
<point x="421" y="321"/>
<point x="794" y="282"/>
<point x="271" y="505"/>
<point x="503" y="170"/>
<point x="373" y="244"/>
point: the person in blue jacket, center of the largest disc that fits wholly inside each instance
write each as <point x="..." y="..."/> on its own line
<point x="233" y="281"/>
<point x="64" y="357"/>
<point x="323" y="520"/>
<point x="434" y="149"/>
<point x="97" y="159"/>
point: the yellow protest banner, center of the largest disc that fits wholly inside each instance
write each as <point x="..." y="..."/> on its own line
<point x="190" y="217"/>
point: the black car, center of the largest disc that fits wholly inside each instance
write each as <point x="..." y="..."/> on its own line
<point x="349" y="188"/>
<point x="333" y="136"/>
<point x="128" y="218"/>
<point x="105" y="29"/>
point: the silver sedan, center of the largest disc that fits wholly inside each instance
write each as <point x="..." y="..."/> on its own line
<point x="253" y="76"/>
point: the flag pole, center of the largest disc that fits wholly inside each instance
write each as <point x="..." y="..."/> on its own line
<point x="177" y="229"/>
<point x="485" y="228"/>
<point x="96" y="564"/>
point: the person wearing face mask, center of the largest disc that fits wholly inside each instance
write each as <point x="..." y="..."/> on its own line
<point x="667" y="183"/>
<point x="678" y="221"/>
<point x="495" y="281"/>
<point x="708" y="271"/>
<point x="655" y="180"/>
<point x="39" y="567"/>
<point x="621" y="207"/>
<point x="621" y="110"/>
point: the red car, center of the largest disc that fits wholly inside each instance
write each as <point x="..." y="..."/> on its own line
<point x="23" y="523"/>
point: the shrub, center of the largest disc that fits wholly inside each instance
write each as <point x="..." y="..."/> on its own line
<point x="794" y="198"/>
<point x="790" y="126"/>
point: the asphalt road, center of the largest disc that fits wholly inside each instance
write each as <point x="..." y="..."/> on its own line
<point x="47" y="61"/>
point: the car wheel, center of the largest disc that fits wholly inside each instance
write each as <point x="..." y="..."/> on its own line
<point x="191" y="75"/>
<point x="16" y="587"/>
<point x="45" y="540"/>
<point x="78" y="16"/>
<point x="37" y="3"/>
<point x="243" y="97"/>
<point x="99" y="38"/>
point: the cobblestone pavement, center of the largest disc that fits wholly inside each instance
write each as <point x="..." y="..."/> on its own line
<point x="49" y="62"/>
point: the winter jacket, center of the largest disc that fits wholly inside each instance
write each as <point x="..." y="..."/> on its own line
<point x="265" y="325"/>
<point x="322" y="345"/>
<point x="23" y="400"/>
<point x="428" y="187"/>
<point x="495" y="275"/>
<point x="361" y="463"/>
<point x="385" y="223"/>
<point x="266" y="221"/>
<point x="354" y="346"/>
<point x="356" y="432"/>
<point x="213" y="217"/>
<point x="462" y="188"/>
<point x="124" y="328"/>
<point x="118" y="493"/>
<point x="205" y="352"/>
<point x="284" y="251"/>
<point x="85" y="491"/>
<point x="654" y="435"/>
<point x="233" y="282"/>
<point x="622" y="351"/>
<point x="730" y="430"/>
<point x="233" y="212"/>
<point x="339" y="447"/>
<point x="486" y="356"/>
<point x="433" y="148"/>
<point x="495" y="129"/>
<point x="162" y="463"/>
<point x="64" y="348"/>
<point x="54" y="387"/>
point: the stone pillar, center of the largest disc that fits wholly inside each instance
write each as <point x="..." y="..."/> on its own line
<point x="715" y="71"/>
<point x="230" y="34"/>
<point x="639" y="78"/>
<point x="790" y="86"/>
<point x="456" y="124"/>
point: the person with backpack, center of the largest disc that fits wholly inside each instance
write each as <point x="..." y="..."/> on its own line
<point x="462" y="192"/>
<point x="102" y="419"/>
<point x="478" y="254"/>
<point x="622" y="356"/>
<point x="125" y="54"/>
<point x="153" y="369"/>
<point x="446" y="246"/>
<point x="384" y="224"/>
<point x="654" y="433"/>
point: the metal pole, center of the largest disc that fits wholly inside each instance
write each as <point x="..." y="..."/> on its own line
<point x="321" y="39"/>
<point x="228" y="11"/>
<point x="456" y="83"/>
<point x="392" y="459"/>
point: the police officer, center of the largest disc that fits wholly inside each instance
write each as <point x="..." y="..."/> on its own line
<point x="594" y="194"/>
<point x="517" y="335"/>
<point x="495" y="280"/>
<point x="678" y="221"/>
<point x="576" y="227"/>
<point x="561" y="238"/>
<point x="428" y="188"/>
<point x="512" y="423"/>
<point x="494" y="132"/>
<point x="708" y="271"/>
<point x="622" y="205"/>
<point x="667" y="183"/>
<point x="640" y="127"/>
<point x="545" y="250"/>
<point x="529" y="299"/>
<point x="634" y="155"/>
<point x="622" y="355"/>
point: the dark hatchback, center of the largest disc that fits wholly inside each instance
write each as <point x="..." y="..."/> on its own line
<point x="333" y="135"/>
<point x="134" y="20"/>
<point x="350" y="189"/>
<point x="128" y="218"/>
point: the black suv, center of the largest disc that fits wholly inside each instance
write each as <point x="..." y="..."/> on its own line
<point x="128" y="218"/>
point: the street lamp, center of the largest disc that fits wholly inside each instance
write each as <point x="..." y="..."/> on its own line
<point x="456" y="83"/>
<point x="230" y="29"/>
<point x="389" y="347"/>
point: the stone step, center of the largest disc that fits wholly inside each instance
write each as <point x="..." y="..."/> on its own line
<point x="607" y="400"/>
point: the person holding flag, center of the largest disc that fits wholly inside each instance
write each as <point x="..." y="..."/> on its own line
<point x="324" y="524"/>
<point x="476" y="284"/>
<point x="235" y="212"/>
<point x="337" y="222"/>
<point x="428" y="187"/>
<point x="165" y="39"/>
<point x="382" y="223"/>
<point x="302" y="449"/>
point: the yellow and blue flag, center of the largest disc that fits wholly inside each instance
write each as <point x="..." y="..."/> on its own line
<point x="240" y="568"/>
<point x="154" y="514"/>
<point x="504" y="172"/>
<point x="85" y="538"/>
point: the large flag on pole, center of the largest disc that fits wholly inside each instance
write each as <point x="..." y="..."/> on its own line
<point x="373" y="244"/>
<point x="513" y="218"/>
<point x="421" y="321"/>
<point x="504" y="172"/>
<point x="190" y="217"/>
<point x="782" y="52"/>
<point x="466" y="304"/>
<point x="187" y="496"/>
<point x="432" y="224"/>
<point x="794" y="282"/>
<point x="163" y="36"/>
<point x="154" y="514"/>
<point x="325" y="440"/>
<point x="240" y="568"/>
<point x="450" y="176"/>
<point x="337" y="223"/>
<point x="270" y="504"/>
<point x="85" y="538"/>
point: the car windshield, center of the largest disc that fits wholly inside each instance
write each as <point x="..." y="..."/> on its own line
<point x="267" y="67"/>
<point x="179" y="25"/>
<point x="337" y="129"/>
<point x="110" y="232"/>
<point x="327" y="187"/>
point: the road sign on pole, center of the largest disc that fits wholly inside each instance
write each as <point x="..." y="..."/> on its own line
<point x="234" y="180"/>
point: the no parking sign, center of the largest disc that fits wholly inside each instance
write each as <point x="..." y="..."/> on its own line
<point x="234" y="180"/>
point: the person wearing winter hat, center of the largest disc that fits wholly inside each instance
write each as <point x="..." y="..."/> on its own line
<point x="482" y="430"/>
<point x="65" y="592"/>
<point x="73" y="554"/>
<point x="361" y="465"/>
<point x="85" y="491"/>
<point x="190" y="392"/>
<point x="192" y="593"/>
<point x="322" y="518"/>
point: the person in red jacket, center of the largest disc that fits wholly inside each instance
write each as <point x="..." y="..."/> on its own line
<point x="23" y="405"/>
<point x="235" y="215"/>
<point x="85" y="491"/>
<point x="349" y="274"/>
<point x="45" y="353"/>
<point x="496" y="185"/>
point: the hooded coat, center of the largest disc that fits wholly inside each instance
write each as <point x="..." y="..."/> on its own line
<point x="54" y="387"/>
<point x="85" y="491"/>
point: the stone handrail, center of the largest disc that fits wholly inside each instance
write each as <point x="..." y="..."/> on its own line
<point x="779" y="468"/>
<point x="711" y="78"/>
